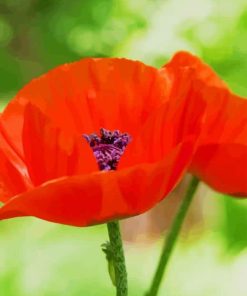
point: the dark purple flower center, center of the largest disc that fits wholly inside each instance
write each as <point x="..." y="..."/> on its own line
<point x="108" y="147"/>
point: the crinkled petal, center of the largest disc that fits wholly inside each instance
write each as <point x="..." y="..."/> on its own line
<point x="89" y="94"/>
<point x="183" y="59"/>
<point x="50" y="152"/>
<point x="176" y="121"/>
<point x="102" y="196"/>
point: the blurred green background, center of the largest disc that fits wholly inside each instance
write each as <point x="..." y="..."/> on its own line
<point x="38" y="258"/>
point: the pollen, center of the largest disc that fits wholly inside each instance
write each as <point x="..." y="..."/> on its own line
<point x="108" y="147"/>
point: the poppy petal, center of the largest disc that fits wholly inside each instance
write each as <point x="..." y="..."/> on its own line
<point x="14" y="177"/>
<point x="214" y="163"/>
<point x="183" y="59"/>
<point x="221" y="158"/>
<point x="11" y="179"/>
<point x="102" y="196"/>
<point x="51" y="153"/>
<point x="176" y="121"/>
<point x="92" y="93"/>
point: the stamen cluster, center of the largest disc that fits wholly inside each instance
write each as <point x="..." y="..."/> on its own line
<point x="108" y="147"/>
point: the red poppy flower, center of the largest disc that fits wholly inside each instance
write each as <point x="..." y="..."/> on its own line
<point x="49" y="171"/>
<point x="221" y="158"/>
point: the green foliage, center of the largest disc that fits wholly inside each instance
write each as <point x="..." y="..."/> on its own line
<point x="38" y="35"/>
<point x="234" y="224"/>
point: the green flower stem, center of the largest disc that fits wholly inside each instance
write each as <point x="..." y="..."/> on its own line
<point x="172" y="237"/>
<point x="116" y="246"/>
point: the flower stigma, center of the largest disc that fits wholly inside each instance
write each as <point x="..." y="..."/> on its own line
<point x="108" y="147"/>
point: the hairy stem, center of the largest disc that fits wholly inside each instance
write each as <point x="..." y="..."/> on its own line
<point x="118" y="258"/>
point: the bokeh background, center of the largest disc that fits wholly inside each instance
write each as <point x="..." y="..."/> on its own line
<point x="38" y="258"/>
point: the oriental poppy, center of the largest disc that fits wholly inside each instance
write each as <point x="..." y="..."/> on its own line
<point x="51" y="152"/>
<point x="221" y="157"/>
